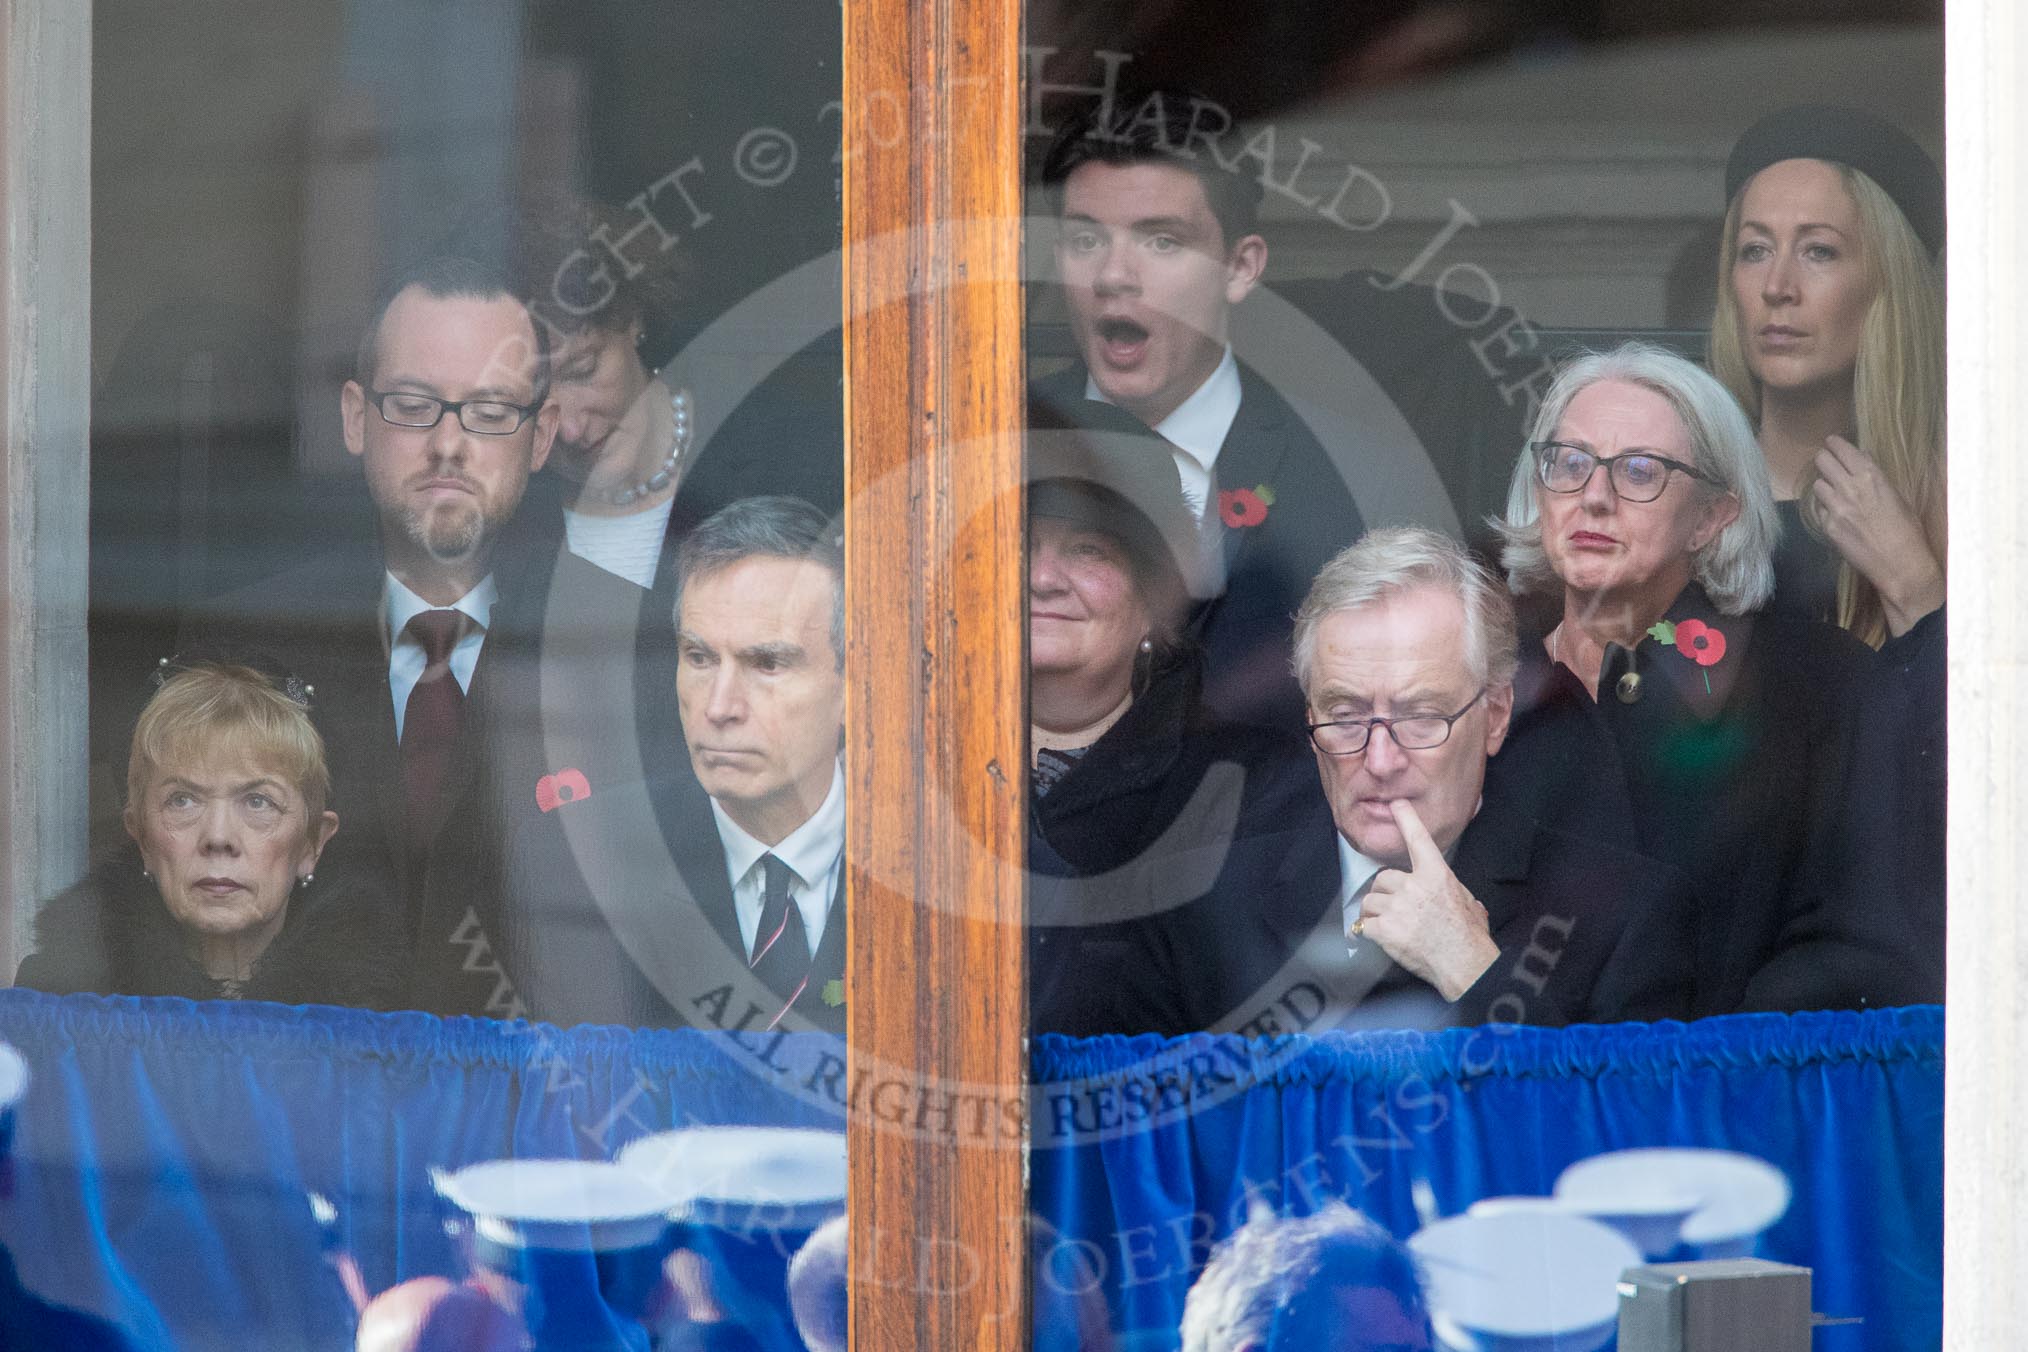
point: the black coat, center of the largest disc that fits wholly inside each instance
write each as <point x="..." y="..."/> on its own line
<point x="1245" y="634"/>
<point x="557" y="622"/>
<point x="1747" y="787"/>
<point x="111" y="934"/>
<point x="1587" y="933"/>
<point x="616" y="908"/>
<point x="1171" y="809"/>
<point x="1891" y="949"/>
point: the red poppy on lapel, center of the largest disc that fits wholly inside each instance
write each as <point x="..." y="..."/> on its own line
<point x="565" y="786"/>
<point x="1699" y="642"/>
<point x="1242" y="507"/>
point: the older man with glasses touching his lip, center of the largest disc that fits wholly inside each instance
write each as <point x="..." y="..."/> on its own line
<point x="1417" y="900"/>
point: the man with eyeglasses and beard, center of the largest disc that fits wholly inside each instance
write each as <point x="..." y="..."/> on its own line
<point x="1413" y="899"/>
<point x="422" y="656"/>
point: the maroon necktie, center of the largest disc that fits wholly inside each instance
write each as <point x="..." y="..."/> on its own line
<point x="429" y="728"/>
<point x="781" y="946"/>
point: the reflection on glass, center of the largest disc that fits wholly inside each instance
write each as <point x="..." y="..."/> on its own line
<point x="1336" y="275"/>
<point x="467" y="684"/>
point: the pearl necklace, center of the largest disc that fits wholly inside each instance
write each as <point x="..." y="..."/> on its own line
<point x="679" y="402"/>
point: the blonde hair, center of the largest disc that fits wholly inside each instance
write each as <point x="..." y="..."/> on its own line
<point x="214" y="711"/>
<point x="1897" y="385"/>
<point x="1736" y="569"/>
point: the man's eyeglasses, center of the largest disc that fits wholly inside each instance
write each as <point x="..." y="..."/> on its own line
<point x="1637" y="476"/>
<point x="1416" y="732"/>
<point x="486" y="417"/>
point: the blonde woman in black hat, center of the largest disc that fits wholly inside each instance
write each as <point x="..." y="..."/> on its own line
<point x="1829" y="331"/>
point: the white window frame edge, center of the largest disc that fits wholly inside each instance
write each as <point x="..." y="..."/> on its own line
<point x="45" y="409"/>
<point x="1985" y="1077"/>
<point x="45" y="204"/>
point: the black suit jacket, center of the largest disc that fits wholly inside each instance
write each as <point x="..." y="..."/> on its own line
<point x="553" y="624"/>
<point x="616" y="908"/>
<point x="1246" y="632"/>
<point x="1587" y="933"/>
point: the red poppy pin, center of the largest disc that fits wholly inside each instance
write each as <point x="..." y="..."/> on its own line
<point x="1242" y="507"/>
<point x="1696" y="640"/>
<point x="565" y="786"/>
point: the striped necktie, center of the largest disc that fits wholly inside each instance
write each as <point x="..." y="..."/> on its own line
<point x="781" y="947"/>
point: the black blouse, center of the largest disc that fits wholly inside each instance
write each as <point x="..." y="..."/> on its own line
<point x="1170" y="808"/>
<point x="1805" y="568"/>
<point x="1732" y="747"/>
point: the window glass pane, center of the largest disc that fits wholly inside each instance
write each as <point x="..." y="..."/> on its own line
<point x="466" y="685"/>
<point x="1353" y="720"/>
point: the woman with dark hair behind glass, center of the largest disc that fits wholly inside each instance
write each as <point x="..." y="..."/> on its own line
<point x="1141" y="802"/>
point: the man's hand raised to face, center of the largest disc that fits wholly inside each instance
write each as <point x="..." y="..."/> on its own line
<point x="1425" y="919"/>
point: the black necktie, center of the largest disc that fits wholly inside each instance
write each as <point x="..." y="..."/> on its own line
<point x="781" y="947"/>
<point x="429" y="725"/>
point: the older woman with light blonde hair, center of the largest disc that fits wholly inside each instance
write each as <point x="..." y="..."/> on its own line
<point x="1716" y="729"/>
<point x="216" y="896"/>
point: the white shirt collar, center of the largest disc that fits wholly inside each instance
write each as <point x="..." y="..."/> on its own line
<point x="399" y="605"/>
<point x="1355" y="871"/>
<point x="1199" y="424"/>
<point x="810" y="850"/>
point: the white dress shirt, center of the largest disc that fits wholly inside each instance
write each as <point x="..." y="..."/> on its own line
<point x="1355" y="876"/>
<point x="1196" y="431"/>
<point x="625" y="546"/>
<point x="813" y="852"/>
<point x="405" y="656"/>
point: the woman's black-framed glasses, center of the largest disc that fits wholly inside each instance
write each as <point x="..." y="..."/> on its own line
<point x="486" y="417"/>
<point x="1416" y="732"/>
<point x="1637" y="476"/>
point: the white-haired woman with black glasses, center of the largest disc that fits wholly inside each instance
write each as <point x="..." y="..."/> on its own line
<point x="1641" y="507"/>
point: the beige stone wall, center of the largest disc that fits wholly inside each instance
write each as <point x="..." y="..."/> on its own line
<point x="1593" y="175"/>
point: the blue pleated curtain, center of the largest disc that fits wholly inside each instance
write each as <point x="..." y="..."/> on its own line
<point x="1848" y="1105"/>
<point x="165" y="1148"/>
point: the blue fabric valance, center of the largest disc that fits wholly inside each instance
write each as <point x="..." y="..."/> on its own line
<point x="165" y="1148"/>
<point x="1147" y="1152"/>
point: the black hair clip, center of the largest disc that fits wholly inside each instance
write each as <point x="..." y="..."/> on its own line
<point x="295" y="689"/>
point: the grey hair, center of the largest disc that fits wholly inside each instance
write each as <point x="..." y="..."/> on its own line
<point x="1385" y="562"/>
<point x="767" y="527"/>
<point x="1736" y="568"/>
<point x="1269" y="1286"/>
